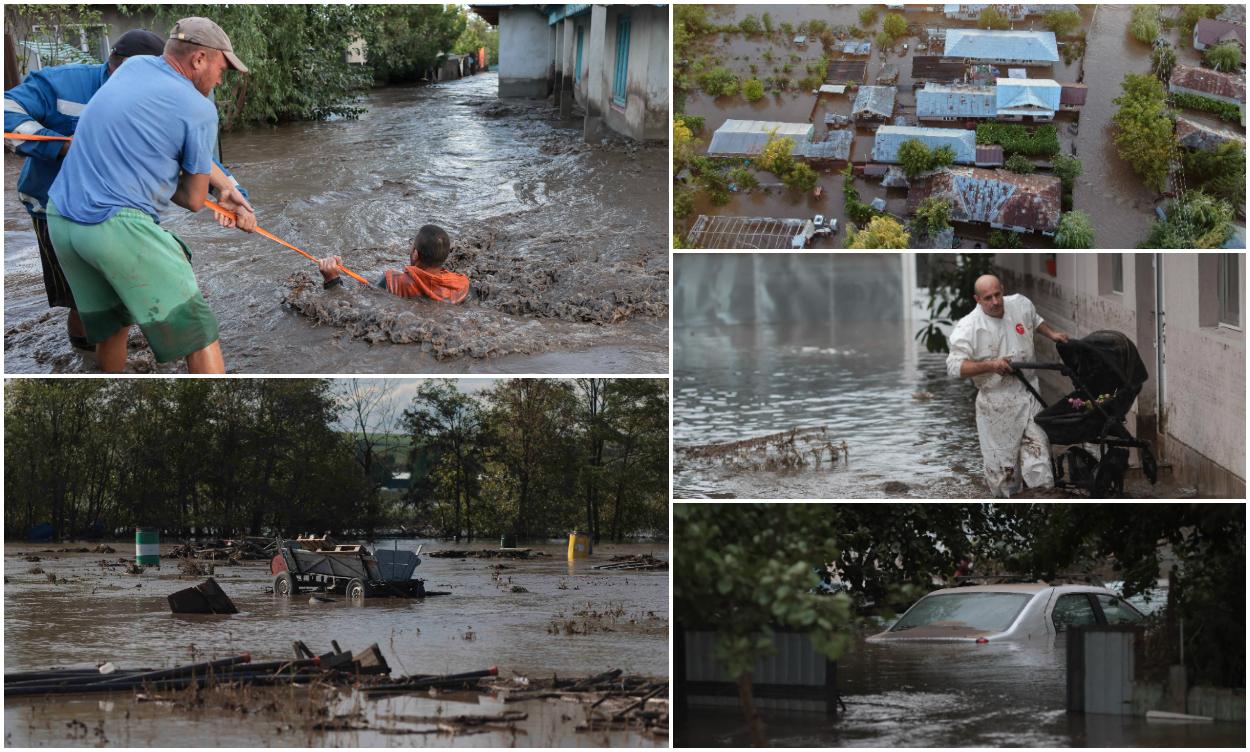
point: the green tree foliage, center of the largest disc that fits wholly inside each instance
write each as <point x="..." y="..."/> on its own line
<point x="857" y="210"/>
<point x="992" y="18"/>
<point x="1226" y="111"/>
<point x="753" y="89"/>
<point x="683" y="202"/>
<point x="916" y="158"/>
<point x="448" y="429"/>
<point x="1062" y="22"/>
<point x="719" y="82"/>
<point x="1075" y="231"/>
<point x="1220" y="173"/>
<point x="747" y="570"/>
<point x="1224" y="57"/>
<point x="1144" y="25"/>
<point x="1162" y="61"/>
<point x="749" y="25"/>
<point x="690" y="23"/>
<point x="683" y="144"/>
<point x="1144" y="136"/>
<point x="868" y="16"/>
<point x="776" y="157"/>
<point x="743" y="178"/>
<point x="950" y="295"/>
<point x="1005" y="239"/>
<point x="1020" y="164"/>
<point x="477" y="34"/>
<point x="932" y="216"/>
<point x="1190" y="15"/>
<point x="1067" y="169"/>
<point x="1042" y="141"/>
<point x="883" y="40"/>
<point x="801" y="177"/>
<point x="880" y="232"/>
<point x="1194" y="221"/>
<point x="894" y="25"/>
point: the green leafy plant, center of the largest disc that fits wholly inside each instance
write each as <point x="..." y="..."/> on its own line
<point x="1042" y="141"/>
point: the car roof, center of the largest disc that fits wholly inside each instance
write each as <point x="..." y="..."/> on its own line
<point x="1029" y="587"/>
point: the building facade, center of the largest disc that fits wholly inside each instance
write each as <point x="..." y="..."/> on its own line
<point x="610" y="60"/>
<point x="1186" y="314"/>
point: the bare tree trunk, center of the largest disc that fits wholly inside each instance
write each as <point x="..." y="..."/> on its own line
<point x="755" y="727"/>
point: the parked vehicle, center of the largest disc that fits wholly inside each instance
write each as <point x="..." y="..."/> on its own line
<point x="352" y="570"/>
<point x="1008" y="612"/>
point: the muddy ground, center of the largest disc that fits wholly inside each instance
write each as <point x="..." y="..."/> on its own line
<point x="530" y="618"/>
<point x="565" y="244"/>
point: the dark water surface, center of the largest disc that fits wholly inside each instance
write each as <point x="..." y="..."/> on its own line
<point x="910" y="429"/>
<point x="103" y="614"/>
<point x="565" y="243"/>
<point x="937" y="695"/>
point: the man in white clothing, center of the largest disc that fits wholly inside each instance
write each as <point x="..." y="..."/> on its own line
<point x="982" y="346"/>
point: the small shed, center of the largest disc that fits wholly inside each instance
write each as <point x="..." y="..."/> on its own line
<point x="1072" y="96"/>
<point x="889" y="138"/>
<point x="857" y="48"/>
<point x="874" y="103"/>
<point x="989" y="155"/>
<point x="832" y="88"/>
<point x="800" y="40"/>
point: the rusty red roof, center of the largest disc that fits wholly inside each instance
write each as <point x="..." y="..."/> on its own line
<point x="1211" y="82"/>
<point x="997" y="197"/>
<point x="1073" y="94"/>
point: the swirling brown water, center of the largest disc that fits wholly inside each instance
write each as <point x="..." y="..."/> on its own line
<point x="565" y="243"/>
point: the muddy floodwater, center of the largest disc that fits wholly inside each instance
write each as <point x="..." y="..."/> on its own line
<point x="909" y="428"/>
<point x="565" y="243"/>
<point x="571" y="621"/>
<point x="935" y="695"/>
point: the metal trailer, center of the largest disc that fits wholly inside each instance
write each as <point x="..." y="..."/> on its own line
<point x="352" y="570"/>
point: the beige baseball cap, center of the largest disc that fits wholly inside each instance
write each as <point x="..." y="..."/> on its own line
<point x="205" y="33"/>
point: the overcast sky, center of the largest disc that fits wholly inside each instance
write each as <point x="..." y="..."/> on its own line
<point x="403" y="390"/>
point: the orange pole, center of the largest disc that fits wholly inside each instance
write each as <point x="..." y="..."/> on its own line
<point x="215" y="207"/>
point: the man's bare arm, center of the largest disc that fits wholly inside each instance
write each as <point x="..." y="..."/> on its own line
<point x="970" y="368"/>
<point x="1051" y="333"/>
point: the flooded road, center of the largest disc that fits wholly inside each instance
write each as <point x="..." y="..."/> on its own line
<point x="572" y="621"/>
<point x="910" y="429"/>
<point x="935" y="695"/>
<point x="565" y="244"/>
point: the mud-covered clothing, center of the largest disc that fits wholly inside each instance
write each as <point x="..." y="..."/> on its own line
<point x="438" y="284"/>
<point x="54" y="283"/>
<point x="128" y="269"/>
<point x="1014" y="448"/>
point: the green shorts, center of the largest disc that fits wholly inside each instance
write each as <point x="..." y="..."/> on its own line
<point x="127" y="270"/>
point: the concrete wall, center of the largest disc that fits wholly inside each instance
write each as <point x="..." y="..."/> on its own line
<point x="525" y="58"/>
<point x="645" y="114"/>
<point x="1200" y="430"/>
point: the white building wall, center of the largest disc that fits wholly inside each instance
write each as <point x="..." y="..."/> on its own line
<point x="525" y="43"/>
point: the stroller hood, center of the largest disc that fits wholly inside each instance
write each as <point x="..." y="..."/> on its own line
<point x="1104" y="362"/>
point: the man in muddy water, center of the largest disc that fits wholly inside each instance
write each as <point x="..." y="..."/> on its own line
<point x="424" y="277"/>
<point x="145" y="140"/>
<point x="982" y="346"/>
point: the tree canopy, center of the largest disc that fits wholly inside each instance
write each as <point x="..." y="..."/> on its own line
<point x="1144" y="133"/>
<point x="1075" y="231"/>
<point x="880" y="232"/>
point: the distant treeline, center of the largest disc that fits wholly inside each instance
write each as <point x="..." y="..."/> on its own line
<point x="531" y="457"/>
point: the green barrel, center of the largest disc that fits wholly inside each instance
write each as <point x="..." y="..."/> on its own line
<point x="147" y="546"/>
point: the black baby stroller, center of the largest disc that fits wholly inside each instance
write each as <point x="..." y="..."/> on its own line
<point x="1106" y="374"/>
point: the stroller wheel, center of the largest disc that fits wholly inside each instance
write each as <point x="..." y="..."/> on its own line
<point x="1148" y="464"/>
<point x="1109" y="475"/>
<point x="1080" y="466"/>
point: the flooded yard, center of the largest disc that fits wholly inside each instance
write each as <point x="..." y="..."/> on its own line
<point x="531" y="618"/>
<point x="564" y="242"/>
<point x="944" y="695"/>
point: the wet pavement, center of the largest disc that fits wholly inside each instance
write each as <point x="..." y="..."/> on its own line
<point x="565" y="243"/>
<point x="937" y="695"/>
<point x="572" y="621"/>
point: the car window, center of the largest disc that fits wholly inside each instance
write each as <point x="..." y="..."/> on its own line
<point x="982" y="611"/>
<point x="1072" y="610"/>
<point x="1117" y="611"/>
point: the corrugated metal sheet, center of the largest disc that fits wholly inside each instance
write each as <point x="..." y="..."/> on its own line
<point x="857" y="48"/>
<point x="833" y="88"/>
<point x="1073" y="94"/>
<point x="890" y="137"/>
<point x="990" y="155"/>
<point x="936" y="68"/>
<point x="1108" y="672"/>
<point x="837" y="145"/>
<point x="1028" y="96"/>
<point x="996" y="197"/>
<point x="1209" y="31"/>
<point x="749" y="136"/>
<point x="976" y="44"/>
<point x="796" y="663"/>
<point x="842" y="71"/>
<point x="874" y="101"/>
<point x="1195" y="135"/>
<point x="942" y="101"/>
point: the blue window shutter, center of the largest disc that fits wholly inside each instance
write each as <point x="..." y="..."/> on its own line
<point x="620" y="76"/>
<point x="577" y="69"/>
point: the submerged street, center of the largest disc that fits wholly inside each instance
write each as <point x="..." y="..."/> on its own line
<point x="566" y="250"/>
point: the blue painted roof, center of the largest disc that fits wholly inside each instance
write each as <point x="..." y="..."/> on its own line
<point x="940" y="100"/>
<point x="977" y="44"/>
<point x="1024" y="96"/>
<point x="890" y="137"/>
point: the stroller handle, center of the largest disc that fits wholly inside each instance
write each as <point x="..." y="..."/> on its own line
<point x="1039" y="366"/>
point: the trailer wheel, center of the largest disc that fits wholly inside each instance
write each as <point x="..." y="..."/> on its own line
<point x="284" y="585"/>
<point x="355" y="590"/>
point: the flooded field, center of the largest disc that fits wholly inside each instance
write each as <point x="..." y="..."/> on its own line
<point x="565" y="244"/>
<point x="1120" y="207"/>
<point x="570" y="621"/>
<point x="938" y="695"/>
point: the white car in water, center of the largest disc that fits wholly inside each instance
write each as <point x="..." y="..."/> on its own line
<point x="1008" y="613"/>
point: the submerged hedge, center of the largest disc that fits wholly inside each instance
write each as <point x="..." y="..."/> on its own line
<point x="1042" y="141"/>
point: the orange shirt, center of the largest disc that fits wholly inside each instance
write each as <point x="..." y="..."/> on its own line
<point x="415" y="282"/>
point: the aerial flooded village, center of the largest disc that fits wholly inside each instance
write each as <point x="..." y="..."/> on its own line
<point x="959" y="126"/>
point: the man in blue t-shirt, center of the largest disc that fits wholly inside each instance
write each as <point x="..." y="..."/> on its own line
<point x="144" y="141"/>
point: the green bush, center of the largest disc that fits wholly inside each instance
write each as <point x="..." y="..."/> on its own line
<point x="1042" y="141"/>
<point x="683" y="202"/>
<point x="868" y="15"/>
<point x="768" y="24"/>
<point x="992" y="18"/>
<point x="693" y="122"/>
<point x="1005" y="239"/>
<point x="719" y="82"/>
<point x="1144" y="25"/>
<point x="1062" y="22"/>
<point x="1020" y="164"/>
<point x="1075" y="231"/>
<point x="753" y="89"/>
<point x="1224" y="110"/>
<point x="743" y="179"/>
<point x="1224" y="57"/>
<point x="749" y="26"/>
<point x="801" y="177"/>
<point x="894" y="25"/>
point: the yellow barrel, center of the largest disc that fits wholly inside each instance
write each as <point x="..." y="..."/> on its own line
<point x="579" y="545"/>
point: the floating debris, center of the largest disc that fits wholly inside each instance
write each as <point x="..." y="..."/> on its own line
<point x="788" y="450"/>
<point x="487" y="553"/>
<point x="635" y="562"/>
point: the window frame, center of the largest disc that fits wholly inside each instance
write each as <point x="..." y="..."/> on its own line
<point x="620" y="72"/>
<point x="1224" y="279"/>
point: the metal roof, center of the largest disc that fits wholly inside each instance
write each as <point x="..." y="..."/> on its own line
<point x="1027" y="96"/>
<point x="837" y="145"/>
<point x="833" y="88"/>
<point x="890" y="137"/>
<point x="743" y="232"/>
<point x="875" y="100"/>
<point x="936" y="68"/>
<point x="942" y="100"/>
<point x="1210" y="31"/>
<point x="857" y="48"/>
<point x="976" y="44"/>
<point x="749" y="136"/>
<point x="1073" y="94"/>
<point x="997" y="197"/>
